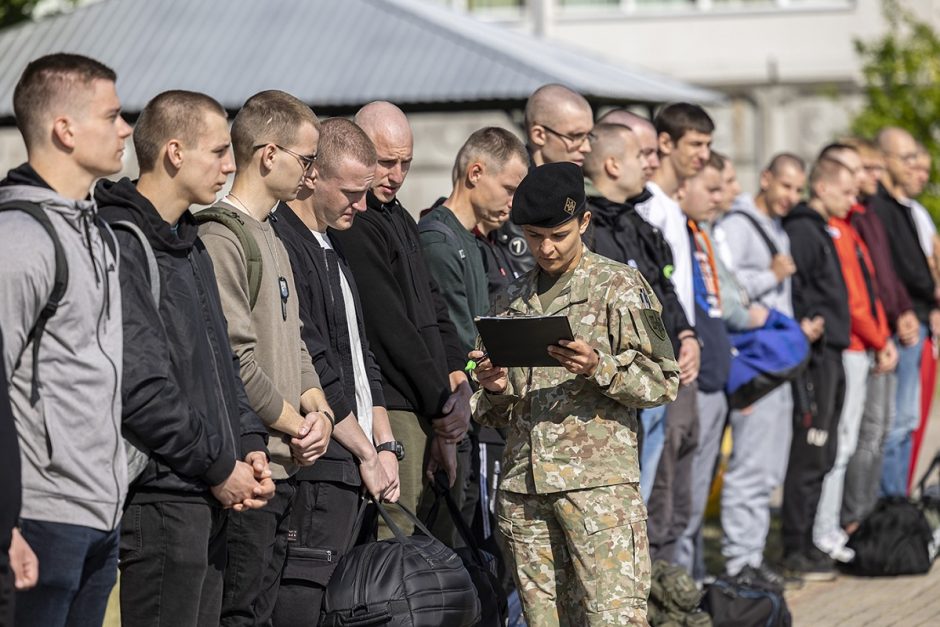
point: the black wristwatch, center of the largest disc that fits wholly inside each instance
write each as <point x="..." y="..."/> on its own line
<point x="393" y="446"/>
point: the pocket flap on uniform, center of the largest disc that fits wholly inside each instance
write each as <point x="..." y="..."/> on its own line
<point x="608" y="507"/>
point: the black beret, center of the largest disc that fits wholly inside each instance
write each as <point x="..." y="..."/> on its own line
<point x="549" y="195"/>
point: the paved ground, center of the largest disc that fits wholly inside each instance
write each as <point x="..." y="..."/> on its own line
<point x="908" y="601"/>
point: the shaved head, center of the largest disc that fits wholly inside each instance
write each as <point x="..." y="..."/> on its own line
<point x="900" y="151"/>
<point x="550" y="104"/>
<point x="645" y="134"/>
<point x="558" y="125"/>
<point x="388" y="128"/>
<point x="383" y="118"/>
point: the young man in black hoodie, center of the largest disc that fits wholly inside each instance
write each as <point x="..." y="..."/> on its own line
<point x="363" y="451"/>
<point x="414" y="341"/>
<point x="820" y="303"/>
<point x="182" y="398"/>
<point x="619" y="167"/>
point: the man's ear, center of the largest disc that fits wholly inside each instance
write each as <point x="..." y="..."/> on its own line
<point x="267" y="155"/>
<point x="537" y="135"/>
<point x="665" y="144"/>
<point x="62" y="132"/>
<point x="174" y="153"/>
<point x="612" y="167"/>
<point x="475" y="172"/>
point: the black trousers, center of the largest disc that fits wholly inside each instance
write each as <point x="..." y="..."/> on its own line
<point x="172" y="556"/>
<point x="6" y="589"/>
<point x="321" y="525"/>
<point x="818" y="395"/>
<point x="257" y="550"/>
<point x="670" y="504"/>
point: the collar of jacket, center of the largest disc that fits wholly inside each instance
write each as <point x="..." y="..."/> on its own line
<point x="525" y="299"/>
<point x="372" y="202"/>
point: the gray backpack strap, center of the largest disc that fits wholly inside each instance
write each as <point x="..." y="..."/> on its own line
<point x="137" y="455"/>
<point x="153" y="270"/>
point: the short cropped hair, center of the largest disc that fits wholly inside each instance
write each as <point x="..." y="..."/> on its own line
<point x="608" y="141"/>
<point x="493" y="145"/>
<point x="270" y="116"/>
<point x="55" y="80"/>
<point x="342" y="139"/>
<point x="829" y="149"/>
<point x="174" y="114"/>
<point x="783" y="159"/>
<point x="716" y="161"/>
<point x="679" y="118"/>
<point x="825" y="169"/>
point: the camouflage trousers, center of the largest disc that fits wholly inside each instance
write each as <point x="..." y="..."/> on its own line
<point x="581" y="556"/>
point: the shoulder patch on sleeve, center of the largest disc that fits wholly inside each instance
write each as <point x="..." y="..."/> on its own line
<point x="656" y="330"/>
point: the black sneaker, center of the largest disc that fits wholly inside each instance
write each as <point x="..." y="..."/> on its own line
<point x="809" y="568"/>
<point x="765" y="576"/>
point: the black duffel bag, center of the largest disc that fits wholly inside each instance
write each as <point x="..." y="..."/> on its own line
<point x="405" y="581"/>
<point x="742" y="602"/>
<point x="480" y="564"/>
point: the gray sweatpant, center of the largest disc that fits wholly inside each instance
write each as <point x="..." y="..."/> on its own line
<point x="712" y="411"/>
<point x="758" y="464"/>
<point x="864" y="470"/>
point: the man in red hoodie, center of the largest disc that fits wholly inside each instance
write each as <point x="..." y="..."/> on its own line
<point x="869" y="335"/>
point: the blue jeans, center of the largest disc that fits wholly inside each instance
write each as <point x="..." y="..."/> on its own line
<point x="897" y="455"/>
<point x="654" y="438"/>
<point x="77" y="570"/>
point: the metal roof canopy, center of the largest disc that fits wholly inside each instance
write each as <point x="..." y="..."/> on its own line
<point x="336" y="55"/>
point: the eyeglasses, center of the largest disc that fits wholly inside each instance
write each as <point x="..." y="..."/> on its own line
<point x="909" y="158"/>
<point x="306" y="161"/>
<point x="576" y="140"/>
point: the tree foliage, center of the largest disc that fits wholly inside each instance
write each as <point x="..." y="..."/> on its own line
<point x="902" y="85"/>
<point x="15" y="11"/>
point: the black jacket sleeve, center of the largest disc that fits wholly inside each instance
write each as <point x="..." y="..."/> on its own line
<point x="805" y="250"/>
<point x="397" y="344"/>
<point x="155" y="411"/>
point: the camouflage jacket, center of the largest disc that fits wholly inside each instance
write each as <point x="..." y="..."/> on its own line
<point x="570" y="432"/>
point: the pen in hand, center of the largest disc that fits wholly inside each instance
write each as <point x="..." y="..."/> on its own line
<point x="473" y="363"/>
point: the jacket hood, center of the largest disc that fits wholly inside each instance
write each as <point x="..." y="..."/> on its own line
<point x="803" y="211"/>
<point x="121" y="201"/>
<point x="607" y="212"/>
<point x="24" y="183"/>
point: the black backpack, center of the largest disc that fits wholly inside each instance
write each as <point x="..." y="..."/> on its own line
<point x="481" y="565"/>
<point x="735" y="602"/>
<point x="897" y="538"/>
<point x="402" y="582"/>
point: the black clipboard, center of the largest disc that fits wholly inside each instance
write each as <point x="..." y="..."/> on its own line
<point x="522" y="341"/>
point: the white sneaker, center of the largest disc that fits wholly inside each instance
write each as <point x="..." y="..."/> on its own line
<point x="833" y="544"/>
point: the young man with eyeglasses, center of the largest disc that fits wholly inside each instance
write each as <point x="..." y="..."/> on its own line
<point x="274" y="138"/>
<point x="558" y="123"/>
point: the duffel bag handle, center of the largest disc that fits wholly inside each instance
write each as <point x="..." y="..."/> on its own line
<point x="396" y="530"/>
<point x="923" y="480"/>
<point x="442" y="492"/>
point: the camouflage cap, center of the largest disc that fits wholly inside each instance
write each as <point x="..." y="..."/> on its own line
<point x="549" y="195"/>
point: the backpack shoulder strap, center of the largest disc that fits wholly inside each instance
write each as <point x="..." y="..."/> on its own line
<point x="153" y="270"/>
<point x="426" y="225"/>
<point x="59" y="284"/>
<point x="236" y="224"/>
<point x="760" y="230"/>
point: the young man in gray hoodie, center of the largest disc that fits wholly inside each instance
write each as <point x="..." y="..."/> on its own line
<point x="65" y="392"/>
<point x="761" y="433"/>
